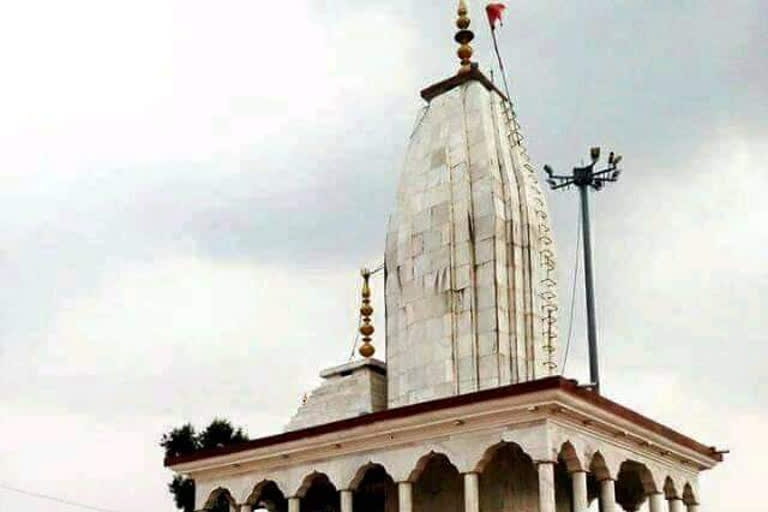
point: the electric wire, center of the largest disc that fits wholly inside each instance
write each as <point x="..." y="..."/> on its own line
<point x="54" y="498"/>
<point x="574" y="279"/>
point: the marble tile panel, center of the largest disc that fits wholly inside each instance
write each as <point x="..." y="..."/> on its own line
<point x="485" y="251"/>
<point x="487" y="344"/>
<point x="486" y="320"/>
<point x="438" y="157"/>
<point x="421" y="220"/>
<point x="432" y="241"/>
<point x="421" y="265"/>
<point x="463" y="276"/>
<point x="462" y="254"/>
<point x="484" y="275"/>
<point x="464" y="322"/>
<point x="417" y="245"/>
<point x="486" y="297"/>
<point x="465" y="345"/>
<point x="441" y="214"/>
<point x="485" y="227"/>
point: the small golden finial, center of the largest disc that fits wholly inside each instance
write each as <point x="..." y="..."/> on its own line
<point x="366" y="310"/>
<point x="464" y="36"/>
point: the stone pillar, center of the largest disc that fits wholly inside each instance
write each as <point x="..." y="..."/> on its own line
<point x="471" y="492"/>
<point x="405" y="497"/>
<point x="346" y="501"/>
<point x="656" y="502"/>
<point x="294" y="504"/>
<point x="608" y="495"/>
<point x="676" y="505"/>
<point x="546" y="471"/>
<point x="693" y="507"/>
<point x="579" y="484"/>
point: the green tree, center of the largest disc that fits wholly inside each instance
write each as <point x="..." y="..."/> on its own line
<point x="220" y="433"/>
<point x="183" y="490"/>
<point x="180" y="441"/>
<point x="185" y="441"/>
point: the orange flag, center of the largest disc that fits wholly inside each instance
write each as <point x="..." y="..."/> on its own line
<point x="494" y="11"/>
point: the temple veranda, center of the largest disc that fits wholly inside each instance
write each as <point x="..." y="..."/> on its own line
<point x="545" y="445"/>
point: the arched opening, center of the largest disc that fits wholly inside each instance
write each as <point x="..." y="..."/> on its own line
<point x="563" y="487"/>
<point x="267" y="496"/>
<point x="320" y="494"/>
<point x="509" y="480"/>
<point x="630" y="487"/>
<point x="375" y="491"/>
<point x="593" y="492"/>
<point x="569" y="463"/>
<point x="220" y="500"/>
<point x="598" y="472"/>
<point x="670" y="489"/>
<point x="689" y="497"/>
<point x="599" y="468"/>
<point x="438" y="486"/>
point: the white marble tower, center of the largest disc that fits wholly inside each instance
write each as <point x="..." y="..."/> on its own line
<point x="471" y="298"/>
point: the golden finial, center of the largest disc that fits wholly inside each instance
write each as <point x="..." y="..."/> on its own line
<point x="366" y="310"/>
<point x="464" y="36"/>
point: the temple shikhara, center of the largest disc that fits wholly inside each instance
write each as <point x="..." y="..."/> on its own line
<point x="466" y="411"/>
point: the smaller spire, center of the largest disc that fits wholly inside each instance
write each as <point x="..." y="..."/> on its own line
<point x="366" y="310"/>
<point x="464" y="36"/>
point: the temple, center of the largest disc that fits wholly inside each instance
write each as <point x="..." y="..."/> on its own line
<point x="466" y="413"/>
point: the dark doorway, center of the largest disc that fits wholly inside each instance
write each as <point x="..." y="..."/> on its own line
<point x="268" y="496"/>
<point x="376" y="492"/>
<point x="321" y="496"/>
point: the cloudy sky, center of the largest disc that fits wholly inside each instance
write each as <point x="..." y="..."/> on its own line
<point x="188" y="189"/>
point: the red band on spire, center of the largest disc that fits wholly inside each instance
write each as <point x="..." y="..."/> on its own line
<point x="494" y="11"/>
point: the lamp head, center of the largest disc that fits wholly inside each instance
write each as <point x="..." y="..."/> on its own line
<point x="617" y="159"/>
<point x="594" y="153"/>
<point x="548" y="170"/>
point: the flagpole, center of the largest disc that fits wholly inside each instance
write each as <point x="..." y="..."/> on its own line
<point x="501" y="61"/>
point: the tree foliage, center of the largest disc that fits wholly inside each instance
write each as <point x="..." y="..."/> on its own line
<point x="185" y="440"/>
<point x="183" y="490"/>
<point x="180" y="441"/>
<point x="220" y="433"/>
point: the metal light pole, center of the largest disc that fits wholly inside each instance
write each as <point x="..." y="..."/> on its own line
<point x="584" y="178"/>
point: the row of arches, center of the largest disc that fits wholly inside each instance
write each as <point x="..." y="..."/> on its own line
<point x="507" y="479"/>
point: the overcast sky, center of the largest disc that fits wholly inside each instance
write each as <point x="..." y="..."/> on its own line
<point x="188" y="188"/>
